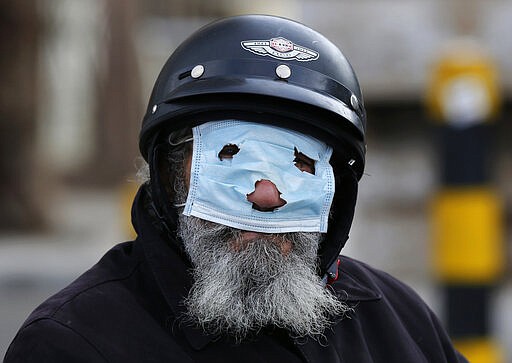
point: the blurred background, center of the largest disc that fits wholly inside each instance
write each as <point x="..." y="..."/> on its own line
<point x="435" y="203"/>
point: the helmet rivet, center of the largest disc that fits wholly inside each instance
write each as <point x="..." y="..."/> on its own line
<point x="283" y="71"/>
<point x="354" y="102"/>
<point x="154" y="108"/>
<point x="197" y="71"/>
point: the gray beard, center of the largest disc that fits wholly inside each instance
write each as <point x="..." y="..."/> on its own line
<point x="239" y="291"/>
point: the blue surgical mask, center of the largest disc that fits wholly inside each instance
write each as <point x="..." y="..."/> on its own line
<point x="219" y="188"/>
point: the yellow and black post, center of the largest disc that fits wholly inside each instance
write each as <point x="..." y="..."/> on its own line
<point x="468" y="247"/>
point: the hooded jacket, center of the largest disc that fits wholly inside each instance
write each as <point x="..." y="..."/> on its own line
<point x="128" y="308"/>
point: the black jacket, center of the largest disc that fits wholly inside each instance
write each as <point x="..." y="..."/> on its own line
<point x="127" y="307"/>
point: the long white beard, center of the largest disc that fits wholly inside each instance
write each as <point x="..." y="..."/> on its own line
<point x="238" y="291"/>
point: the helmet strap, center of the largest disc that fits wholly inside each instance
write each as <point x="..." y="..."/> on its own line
<point x="161" y="202"/>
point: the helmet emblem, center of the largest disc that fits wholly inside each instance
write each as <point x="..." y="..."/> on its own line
<point x="280" y="48"/>
<point x="281" y="44"/>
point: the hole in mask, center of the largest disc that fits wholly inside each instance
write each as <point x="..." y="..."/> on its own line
<point x="265" y="197"/>
<point x="228" y="151"/>
<point x="303" y="162"/>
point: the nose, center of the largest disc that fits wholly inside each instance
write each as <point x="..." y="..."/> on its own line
<point x="265" y="197"/>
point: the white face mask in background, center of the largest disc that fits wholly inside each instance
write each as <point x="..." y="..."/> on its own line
<point x="219" y="188"/>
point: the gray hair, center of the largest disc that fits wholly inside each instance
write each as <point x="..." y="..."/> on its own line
<point x="180" y="149"/>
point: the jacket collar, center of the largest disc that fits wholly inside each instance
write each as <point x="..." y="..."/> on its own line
<point x="353" y="284"/>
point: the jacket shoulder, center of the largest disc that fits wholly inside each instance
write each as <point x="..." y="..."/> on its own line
<point x="57" y="326"/>
<point x="116" y="265"/>
<point x="368" y="283"/>
<point x="388" y="313"/>
<point x="47" y="340"/>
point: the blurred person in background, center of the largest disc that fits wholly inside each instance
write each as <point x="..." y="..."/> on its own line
<point x="255" y="141"/>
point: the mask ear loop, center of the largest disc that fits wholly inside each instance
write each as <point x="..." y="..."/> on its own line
<point x="180" y="142"/>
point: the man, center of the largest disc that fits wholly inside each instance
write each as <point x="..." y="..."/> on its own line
<point x="254" y="137"/>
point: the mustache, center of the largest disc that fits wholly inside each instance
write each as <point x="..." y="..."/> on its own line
<point x="220" y="239"/>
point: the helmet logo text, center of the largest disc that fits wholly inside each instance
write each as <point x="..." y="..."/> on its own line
<point x="280" y="48"/>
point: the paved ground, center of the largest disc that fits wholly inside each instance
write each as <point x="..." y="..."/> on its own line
<point x="390" y="232"/>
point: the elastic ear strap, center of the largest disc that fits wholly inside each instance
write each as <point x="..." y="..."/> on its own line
<point x="339" y="224"/>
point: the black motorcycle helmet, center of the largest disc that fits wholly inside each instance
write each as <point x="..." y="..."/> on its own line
<point x="269" y="70"/>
